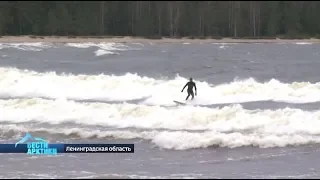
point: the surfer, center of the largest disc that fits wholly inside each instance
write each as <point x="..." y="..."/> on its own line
<point x="190" y="85"/>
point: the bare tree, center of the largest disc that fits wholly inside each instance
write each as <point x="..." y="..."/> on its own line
<point x="159" y="8"/>
<point x="101" y="17"/>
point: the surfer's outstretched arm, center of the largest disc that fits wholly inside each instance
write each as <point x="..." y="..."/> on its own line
<point x="184" y="87"/>
<point x="195" y="87"/>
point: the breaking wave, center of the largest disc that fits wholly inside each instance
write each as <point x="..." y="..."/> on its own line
<point x="178" y="128"/>
<point x="38" y="46"/>
<point x="103" y="48"/>
<point x="30" y="84"/>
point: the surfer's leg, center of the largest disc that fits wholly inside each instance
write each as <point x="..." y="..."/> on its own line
<point x="188" y="96"/>
<point x="192" y="95"/>
<point x="190" y="92"/>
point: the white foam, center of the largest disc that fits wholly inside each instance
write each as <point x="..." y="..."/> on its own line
<point x="37" y="46"/>
<point x="226" y="119"/>
<point x="240" y="91"/>
<point x="24" y="83"/>
<point x="104" y="48"/>
<point x="183" y="140"/>
<point x="80" y="45"/>
<point x="303" y="43"/>
<point x="223" y="47"/>
<point x="101" y="52"/>
<point x="230" y="126"/>
<point x="102" y="45"/>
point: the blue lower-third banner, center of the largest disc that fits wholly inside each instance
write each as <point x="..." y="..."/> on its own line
<point x="39" y="148"/>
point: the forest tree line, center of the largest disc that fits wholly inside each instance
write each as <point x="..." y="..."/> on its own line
<point x="161" y="18"/>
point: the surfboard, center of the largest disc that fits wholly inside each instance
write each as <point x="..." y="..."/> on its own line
<point x="178" y="102"/>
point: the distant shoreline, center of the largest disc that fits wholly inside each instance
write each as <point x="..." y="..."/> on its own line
<point x="127" y="39"/>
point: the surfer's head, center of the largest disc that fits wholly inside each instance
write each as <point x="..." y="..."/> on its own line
<point x="190" y="79"/>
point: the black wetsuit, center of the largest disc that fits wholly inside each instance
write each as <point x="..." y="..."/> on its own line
<point x="190" y="85"/>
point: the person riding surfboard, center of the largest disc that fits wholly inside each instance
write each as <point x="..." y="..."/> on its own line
<point x="190" y="85"/>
